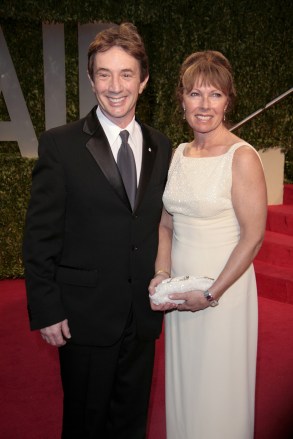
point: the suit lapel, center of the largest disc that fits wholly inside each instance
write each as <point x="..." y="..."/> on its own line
<point x="99" y="148"/>
<point x="149" y="152"/>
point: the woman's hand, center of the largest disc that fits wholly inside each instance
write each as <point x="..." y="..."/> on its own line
<point x="194" y="301"/>
<point x="154" y="282"/>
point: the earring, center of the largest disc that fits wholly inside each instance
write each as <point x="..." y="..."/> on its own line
<point x="184" y="117"/>
<point x="224" y="117"/>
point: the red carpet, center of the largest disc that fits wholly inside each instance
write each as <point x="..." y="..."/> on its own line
<point x="274" y="262"/>
<point x="30" y="398"/>
<point x="288" y="194"/>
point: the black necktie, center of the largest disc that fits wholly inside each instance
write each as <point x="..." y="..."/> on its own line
<point x="127" y="168"/>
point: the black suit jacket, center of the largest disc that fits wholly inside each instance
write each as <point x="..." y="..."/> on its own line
<point x="88" y="257"/>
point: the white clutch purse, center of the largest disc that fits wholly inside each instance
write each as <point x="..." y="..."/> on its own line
<point x="181" y="284"/>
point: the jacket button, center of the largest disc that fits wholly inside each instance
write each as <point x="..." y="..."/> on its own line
<point x="134" y="248"/>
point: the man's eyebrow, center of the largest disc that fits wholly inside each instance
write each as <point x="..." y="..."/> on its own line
<point x="109" y="70"/>
<point x="102" y="68"/>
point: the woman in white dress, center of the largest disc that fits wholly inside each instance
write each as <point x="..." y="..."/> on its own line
<point x="212" y="225"/>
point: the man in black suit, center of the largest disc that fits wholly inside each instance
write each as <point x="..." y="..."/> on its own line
<point x="90" y="246"/>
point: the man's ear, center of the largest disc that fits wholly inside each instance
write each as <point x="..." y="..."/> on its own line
<point x="91" y="81"/>
<point x="143" y="85"/>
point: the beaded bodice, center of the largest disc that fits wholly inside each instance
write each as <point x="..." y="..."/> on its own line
<point x="200" y="186"/>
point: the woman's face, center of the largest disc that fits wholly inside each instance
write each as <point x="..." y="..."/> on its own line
<point x="204" y="106"/>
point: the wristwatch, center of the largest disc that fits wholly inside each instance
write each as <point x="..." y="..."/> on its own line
<point x="212" y="302"/>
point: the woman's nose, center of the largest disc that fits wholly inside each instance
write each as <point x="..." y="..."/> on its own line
<point x="204" y="102"/>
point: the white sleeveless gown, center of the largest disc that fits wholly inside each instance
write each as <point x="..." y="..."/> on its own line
<point x="210" y="354"/>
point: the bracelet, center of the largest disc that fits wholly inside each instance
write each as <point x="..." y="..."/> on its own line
<point x="210" y="298"/>
<point x="161" y="272"/>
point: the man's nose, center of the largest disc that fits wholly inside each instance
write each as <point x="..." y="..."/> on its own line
<point x="115" y="84"/>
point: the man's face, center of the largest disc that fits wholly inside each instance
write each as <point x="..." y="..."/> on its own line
<point x="116" y="84"/>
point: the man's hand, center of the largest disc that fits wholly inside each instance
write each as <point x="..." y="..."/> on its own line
<point x="57" y="334"/>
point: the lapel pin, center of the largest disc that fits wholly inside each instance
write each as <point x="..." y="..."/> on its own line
<point x="150" y="150"/>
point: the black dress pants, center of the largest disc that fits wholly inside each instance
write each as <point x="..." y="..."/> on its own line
<point x="107" y="389"/>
